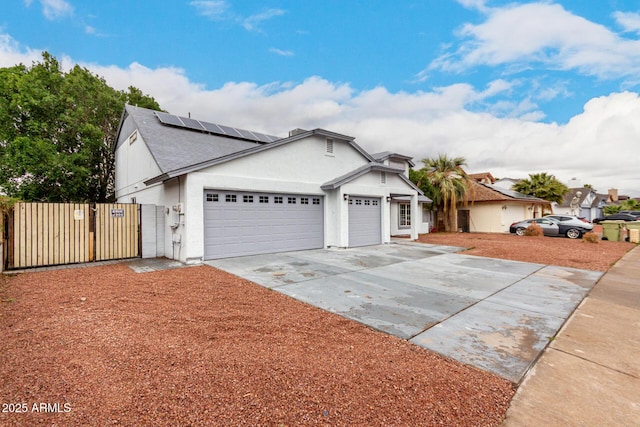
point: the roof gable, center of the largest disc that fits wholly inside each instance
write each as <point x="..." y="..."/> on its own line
<point x="175" y="147"/>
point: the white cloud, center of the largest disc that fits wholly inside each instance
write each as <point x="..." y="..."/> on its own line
<point x="547" y="35"/>
<point x="598" y="146"/>
<point x="253" y="22"/>
<point x="281" y="52"/>
<point x="12" y="53"/>
<point x="214" y="10"/>
<point x="474" y="4"/>
<point x="628" y="20"/>
<point x="55" y="9"/>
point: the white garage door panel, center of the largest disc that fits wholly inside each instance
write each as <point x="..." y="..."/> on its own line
<point x="251" y="227"/>
<point x="365" y="221"/>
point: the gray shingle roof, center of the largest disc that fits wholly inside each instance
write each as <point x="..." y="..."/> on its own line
<point x="177" y="148"/>
<point x="384" y="155"/>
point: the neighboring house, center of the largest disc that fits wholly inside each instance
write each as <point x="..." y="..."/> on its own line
<point x="506" y="183"/>
<point x="583" y="202"/>
<point x="222" y="192"/>
<point x="492" y="209"/>
<point x="401" y="204"/>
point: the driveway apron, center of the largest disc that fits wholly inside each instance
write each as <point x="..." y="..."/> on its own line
<point x="497" y="315"/>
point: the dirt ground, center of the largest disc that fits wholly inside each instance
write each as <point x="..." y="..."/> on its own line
<point x="544" y="250"/>
<point x="196" y="346"/>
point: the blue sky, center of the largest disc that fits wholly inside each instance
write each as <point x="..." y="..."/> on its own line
<point x="514" y="87"/>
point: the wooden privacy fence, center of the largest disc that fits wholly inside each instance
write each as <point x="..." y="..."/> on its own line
<point x="40" y="234"/>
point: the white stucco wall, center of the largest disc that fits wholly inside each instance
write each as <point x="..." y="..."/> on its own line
<point x="134" y="165"/>
<point x="421" y="220"/>
<point x="300" y="167"/>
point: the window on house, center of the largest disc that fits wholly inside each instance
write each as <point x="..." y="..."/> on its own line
<point x="278" y="199"/>
<point x="316" y="201"/>
<point x="405" y="215"/>
<point x="247" y="199"/>
<point x="133" y="136"/>
<point x="304" y="200"/>
<point x="264" y="199"/>
<point x="426" y="214"/>
<point x="212" y="197"/>
<point x="367" y="202"/>
<point x="230" y="198"/>
<point x="375" y="203"/>
<point x="358" y="201"/>
<point x="383" y="177"/>
<point x="329" y="146"/>
<point x="291" y="200"/>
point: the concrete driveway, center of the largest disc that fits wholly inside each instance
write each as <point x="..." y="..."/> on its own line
<point x="494" y="314"/>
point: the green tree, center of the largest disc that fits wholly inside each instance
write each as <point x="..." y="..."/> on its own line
<point x="57" y="132"/>
<point x="625" y="205"/>
<point x="445" y="182"/>
<point x="543" y="186"/>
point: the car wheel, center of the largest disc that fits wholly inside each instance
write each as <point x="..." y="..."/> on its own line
<point x="573" y="233"/>
<point x="520" y="231"/>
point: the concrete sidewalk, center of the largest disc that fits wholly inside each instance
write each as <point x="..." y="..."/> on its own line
<point x="590" y="374"/>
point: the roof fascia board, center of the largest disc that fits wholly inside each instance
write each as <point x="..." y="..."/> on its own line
<point x="363" y="170"/>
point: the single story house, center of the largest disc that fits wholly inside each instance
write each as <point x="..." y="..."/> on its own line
<point x="211" y="191"/>
<point x="492" y="209"/>
<point x="583" y="202"/>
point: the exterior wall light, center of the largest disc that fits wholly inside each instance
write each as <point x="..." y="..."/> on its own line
<point x="346" y="197"/>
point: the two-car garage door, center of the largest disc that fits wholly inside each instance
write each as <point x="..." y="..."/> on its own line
<point x="241" y="223"/>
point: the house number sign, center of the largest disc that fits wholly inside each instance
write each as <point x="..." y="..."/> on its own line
<point x="117" y="213"/>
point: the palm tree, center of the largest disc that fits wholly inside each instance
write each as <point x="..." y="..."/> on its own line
<point x="450" y="184"/>
<point x="543" y="186"/>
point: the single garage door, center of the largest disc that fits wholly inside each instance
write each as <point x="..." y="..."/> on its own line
<point x="365" y="221"/>
<point x="239" y="223"/>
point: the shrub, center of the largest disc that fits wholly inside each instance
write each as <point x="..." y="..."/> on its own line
<point x="590" y="237"/>
<point x="533" y="230"/>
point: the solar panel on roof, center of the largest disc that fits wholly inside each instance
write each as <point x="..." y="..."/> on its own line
<point x="169" y="119"/>
<point x="189" y="123"/>
<point x="212" y="127"/>
<point x="192" y="124"/>
<point x="262" y="137"/>
<point x="230" y="131"/>
<point x="247" y="134"/>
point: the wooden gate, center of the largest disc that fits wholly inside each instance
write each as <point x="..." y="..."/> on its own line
<point x="41" y="234"/>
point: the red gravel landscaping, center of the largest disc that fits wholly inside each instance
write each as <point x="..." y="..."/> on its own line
<point x="196" y="346"/>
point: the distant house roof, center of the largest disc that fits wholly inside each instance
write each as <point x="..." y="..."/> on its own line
<point x="573" y="192"/>
<point x="598" y="199"/>
<point x="489" y="193"/>
<point x="484" y="177"/>
<point x="384" y="155"/>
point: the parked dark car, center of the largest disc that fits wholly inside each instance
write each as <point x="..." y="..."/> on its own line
<point x="616" y="217"/>
<point x="553" y="227"/>
<point x="549" y="226"/>
<point x="634" y="213"/>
